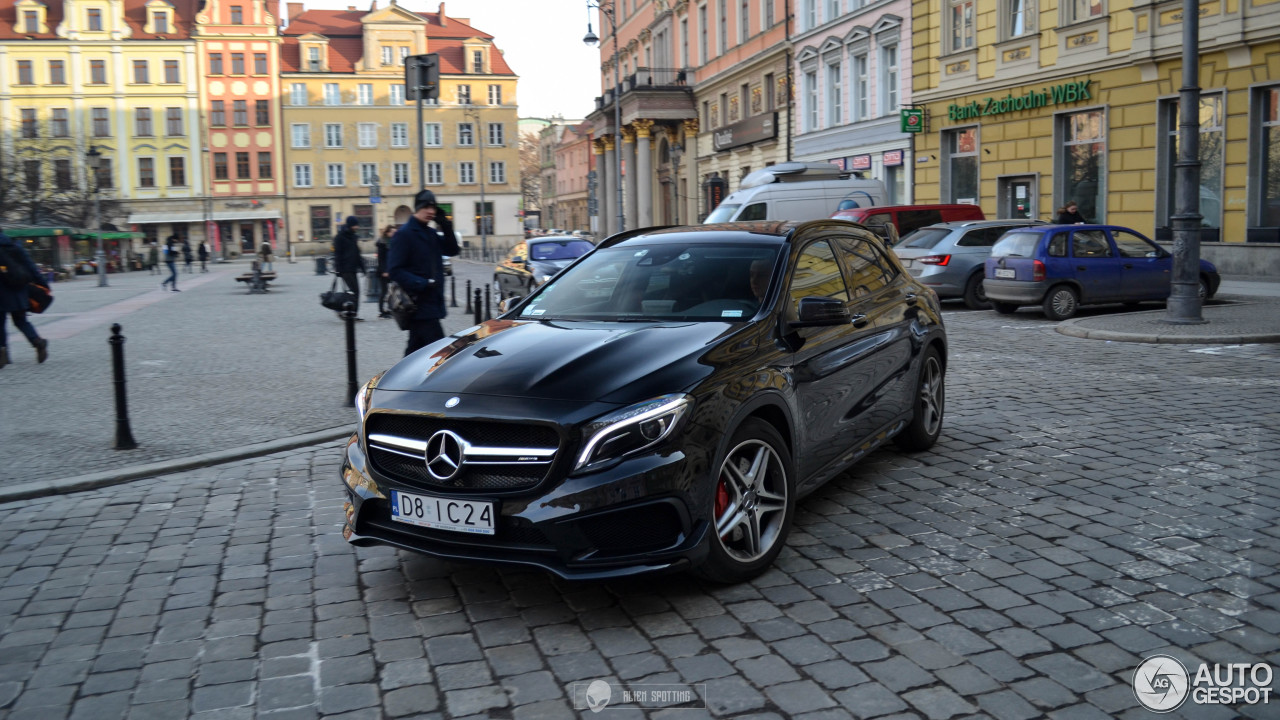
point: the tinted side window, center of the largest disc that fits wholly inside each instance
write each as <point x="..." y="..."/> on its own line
<point x="755" y="211"/>
<point x="980" y="237"/>
<point x="1058" y="245"/>
<point x="1131" y="245"/>
<point x="1090" y="244"/>
<point x="869" y="270"/>
<point x="909" y="220"/>
<point x="817" y="274"/>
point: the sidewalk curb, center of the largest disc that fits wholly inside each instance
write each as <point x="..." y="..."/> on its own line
<point x="1072" y="328"/>
<point x="107" y="478"/>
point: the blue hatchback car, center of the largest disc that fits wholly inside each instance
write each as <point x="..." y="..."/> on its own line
<point x="1061" y="267"/>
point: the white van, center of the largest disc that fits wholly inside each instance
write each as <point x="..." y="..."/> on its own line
<point x="797" y="191"/>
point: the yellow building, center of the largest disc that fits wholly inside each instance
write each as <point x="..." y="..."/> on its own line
<point x="1029" y="106"/>
<point x="348" y="124"/>
<point x="117" y="76"/>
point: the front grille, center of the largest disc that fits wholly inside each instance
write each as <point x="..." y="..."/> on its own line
<point x="497" y="434"/>
<point x="472" y="477"/>
<point x="642" y="529"/>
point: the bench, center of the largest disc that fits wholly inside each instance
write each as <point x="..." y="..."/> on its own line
<point x="257" y="281"/>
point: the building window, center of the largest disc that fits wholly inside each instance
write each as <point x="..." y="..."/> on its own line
<point x="142" y="122"/>
<point x="94" y="16"/>
<point x="101" y="123"/>
<point x="332" y="94"/>
<point x="498" y="172"/>
<point x="464" y="94"/>
<point x="744" y="21"/>
<point x="140" y="74"/>
<point x="810" y="101"/>
<point x="98" y="72"/>
<point x="404" y="53"/>
<point x="333" y="135"/>
<point x="62" y="174"/>
<point x="31" y="174"/>
<point x="888" y="79"/>
<point x="237" y="15"/>
<point x="484" y="218"/>
<point x="26" y="76"/>
<point x="834" y="99"/>
<point x="237" y="63"/>
<point x="400" y="173"/>
<point x="1211" y="159"/>
<point x="809" y="15"/>
<point x="31" y="22"/>
<point x="217" y="113"/>
<point x="467" y="173"/>
<point x="335" y="174"/>
<point x="432" y="135"/>
<point x="262" y="112"/>
<point x="960" y="150"/>
<point x="435" y="173"/>
<point x="684" y="42"/>
<point x="466" y="135"/>
<point x="58" y="125"/>
<point x="367" y="135"/>
<point x="260" y="64"/>
<point x="104" y="175"/>
<point x="220" y="166"/>
<point x="496" y="136"/>
<point x="242" y="166"/>
<point x="477" y="61"/>
<point x="960" y="20"/>
<point x="1080" y="10"/>
<point x="1083" y="165"/>
<point x="399" y="134"/>
<point x="861" y="89"/>
<point x="171" y="73"/>
<point x="397" y="94"/>
<point x="161" y="22"/>
<point x="177" y="171"/>
<point x="321" y="222"/>
<point x="703" y="53"/>
<point x="1268" y="144"/>
<point x="57" y="73"/>
<point x="833" y="10"/>
<point x="240" y="112"/>
<point x="722" y="36"/>
<point x="364" y="94"/>
<point x="495" y="94"/>
<point x="30" y="126"/>
<point x="368" y="174"/>
<point x="388" y="55"/>
<point x="302" y="175"/>
<point x="1017" y="19"/>
<point x="768" y="92"/>
<point x="146" y="172"/>
<point x="313" y="59"/>
<point x="264" y="166"/>
<point x="215" y="63"/>
<point x="298" y="94"/>
<point x="173" y="122"/>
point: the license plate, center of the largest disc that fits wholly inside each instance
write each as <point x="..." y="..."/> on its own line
<point x="1006" y="273"/>
<point x="468" y="516"/>
<point x="906" y="262"/>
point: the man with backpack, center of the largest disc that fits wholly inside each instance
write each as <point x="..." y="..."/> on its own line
<point x="347" y="260"/>
<point x="16" y="272"/>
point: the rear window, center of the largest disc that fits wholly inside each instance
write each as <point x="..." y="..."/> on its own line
<point x="909" y="220"/>
<point x="1016" y="244"/>
<point x="924" y="238"/>
<point x="559" y="250"/>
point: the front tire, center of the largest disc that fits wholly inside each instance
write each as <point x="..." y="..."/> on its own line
<point x="1061" y="303"/>
<point x="752" y="504"/>
<point x="929" y="403"/>
<point x="1004" y="308"/>
<point x="975" y="297"/>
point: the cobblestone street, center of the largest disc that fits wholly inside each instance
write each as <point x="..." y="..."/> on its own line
<point x="1091" y="504"/>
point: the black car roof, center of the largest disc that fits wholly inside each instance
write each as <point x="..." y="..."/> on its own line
<point x="763" y="232"/>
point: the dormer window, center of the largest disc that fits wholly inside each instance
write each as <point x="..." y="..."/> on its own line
<point x="30" y="22"/>
<point x="237" y="15"/>
<point x="161" y="22"/>
<point x="95" y="20"/>
<point x="313" y="58"/>
<point x="477" y="61"/>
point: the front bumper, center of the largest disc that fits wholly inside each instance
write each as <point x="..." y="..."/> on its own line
<point x="1020" y="292"/>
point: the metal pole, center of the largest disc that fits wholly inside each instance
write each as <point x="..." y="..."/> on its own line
<point x="349" y="316"/>
<point x="467" y="296"/>
<point x="1184" y="299"/>
<point x="617" y="120"/>
<point x="422" y="146"/>
<point x="97" y="230"/>
<point x="453" y="291"/>
<point x="124" y="436"/>
<point x="488" y="312"/>
<point x="476" y="315"/>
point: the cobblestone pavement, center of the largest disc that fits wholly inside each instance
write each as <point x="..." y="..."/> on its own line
<point x="1090" y="504"/>
<point x="209" y="368"/>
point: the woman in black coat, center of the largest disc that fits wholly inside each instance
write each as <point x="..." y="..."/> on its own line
<point x="14" y="301"/>
<point x="1069" y="214"/>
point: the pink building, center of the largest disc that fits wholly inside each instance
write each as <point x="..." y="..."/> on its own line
<point x="574" y="161"/>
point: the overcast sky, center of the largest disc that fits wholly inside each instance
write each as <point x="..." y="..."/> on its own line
<point x="542" y="42"/>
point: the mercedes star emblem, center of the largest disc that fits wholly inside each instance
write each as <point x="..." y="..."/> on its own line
<point x="444" y="455"/>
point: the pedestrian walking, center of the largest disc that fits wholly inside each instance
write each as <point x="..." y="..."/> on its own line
<point x="1069" y="214"/>
<point x="203" y="252"/>
<point x="19" y="271"/>
<point x="347" y="260"/>
<point x="153" y="257"/>
<point x="171" y="260"/>
<point x="187" y="255"/>
<point x="265" y="252"/>
<point x="383" y="245"/>
<point x="415" y="261"/>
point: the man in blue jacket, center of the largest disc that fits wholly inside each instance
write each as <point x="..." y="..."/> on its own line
<point x="415" y="262"/>
<point x="13" y="300"/>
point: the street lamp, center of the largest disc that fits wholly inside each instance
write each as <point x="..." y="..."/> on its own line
<point x="94" y="159"/>
<point x="592" y="40"/>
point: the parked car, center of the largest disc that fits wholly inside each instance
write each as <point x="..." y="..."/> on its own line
<point x="948" y="257"/>
<point x="796" y="191"/>
<point x="1061" y="267"/>
<point x="908" y="218"/>
<point x="662" y="403"/>
<point x="533" y="262"/>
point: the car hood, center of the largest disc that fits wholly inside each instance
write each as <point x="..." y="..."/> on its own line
<point x="578" y="361"/>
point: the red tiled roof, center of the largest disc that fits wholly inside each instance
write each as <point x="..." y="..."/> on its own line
<point x="135" y="16"/>
<point x="326" y="22"/>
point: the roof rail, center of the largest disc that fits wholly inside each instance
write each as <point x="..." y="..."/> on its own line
<point x="792" y="172"/>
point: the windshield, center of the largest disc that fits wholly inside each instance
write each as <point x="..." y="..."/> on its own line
<point x="723" y="213"/>
<point x="559" y="250"/>
<point x="687" y="282"/>
<point x="924" y="238"/>
<point x="1016" y="244"/>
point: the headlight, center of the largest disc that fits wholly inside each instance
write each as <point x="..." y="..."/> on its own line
<point x="363" y="394"/>
<point x="630" y="430"/>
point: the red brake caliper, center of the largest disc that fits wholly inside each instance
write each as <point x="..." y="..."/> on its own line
<point x="722" y="499"/>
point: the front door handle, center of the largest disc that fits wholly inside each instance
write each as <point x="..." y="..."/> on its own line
<point x="1081" y="267"/>
<point x="859" y="320"/>
<point x="1128" y="266"/>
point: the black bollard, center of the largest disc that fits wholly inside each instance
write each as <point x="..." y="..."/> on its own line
<point x="467" y="296"/>
<point x="453" y="291"/>
<point x="488" y="314"/>
<point x="478" y="309"/>
<point x="124" y="436"/>
<point x="349" y="316"/>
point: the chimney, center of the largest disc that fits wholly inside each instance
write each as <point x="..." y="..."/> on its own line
<point x="444" y="21"/>
<point x="295" y="9"/>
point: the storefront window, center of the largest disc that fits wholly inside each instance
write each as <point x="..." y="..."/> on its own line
<point x="321" y="223"/>
<point x="961" y="148"/>
<point x="1084" y="163"/>
<point x="364" y="216"/>
<point x="1270" y="214"/>
<point x="1211" y="118"/>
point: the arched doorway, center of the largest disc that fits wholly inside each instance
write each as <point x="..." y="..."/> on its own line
<point x="402" y="214"/>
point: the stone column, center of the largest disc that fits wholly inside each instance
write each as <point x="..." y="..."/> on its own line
<point x="693" y="206"/>
<point x="597" y="149"/>
<point x="628" y="150"/>
<point x="644" y="174"/>
<point x="609" y="208"/>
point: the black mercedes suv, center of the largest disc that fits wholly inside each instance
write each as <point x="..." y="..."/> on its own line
<point x="662" y="403"/>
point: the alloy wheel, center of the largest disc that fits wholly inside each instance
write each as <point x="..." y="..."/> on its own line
<point x="1064" y="303"/>
<point x="931" y="389"/>
<point x="751" y="501"/>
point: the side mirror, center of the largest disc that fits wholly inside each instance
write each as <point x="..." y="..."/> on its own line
<point x="508" y="302"/>
<point x="821" y="312"/>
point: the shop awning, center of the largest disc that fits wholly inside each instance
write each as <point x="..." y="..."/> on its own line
<point x="194" y="217"/>
<point x="17" y="231"/>
<point x="110" y="235"/>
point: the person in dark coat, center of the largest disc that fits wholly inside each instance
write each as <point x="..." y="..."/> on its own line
<point x="153" y="258"/>
<point x="347" y="260"/>
<point x="171" y="259"/>
<point x="383" y="246"/>
<point x="203" y="253"/>
<point x="14" y="302"/>
<point x="415" y="261"/>
<point x="187" y="255"/>
<point x="1069" y="214"/>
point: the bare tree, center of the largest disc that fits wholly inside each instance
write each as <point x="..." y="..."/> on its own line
<point x="530" y="173"/>
<point x="45" y="181"/>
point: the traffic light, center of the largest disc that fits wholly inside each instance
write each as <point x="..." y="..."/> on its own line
<point x="422" y="74"/>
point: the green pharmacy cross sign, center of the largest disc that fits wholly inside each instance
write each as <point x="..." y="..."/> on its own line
<point x="911" y="120"/>
<point x="1055" y="95"/>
